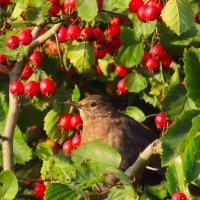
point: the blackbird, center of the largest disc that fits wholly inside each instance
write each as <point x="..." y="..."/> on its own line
<point x="102" y="121"/>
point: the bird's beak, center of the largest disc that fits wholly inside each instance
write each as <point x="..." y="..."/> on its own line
<point x="74" y="104"/>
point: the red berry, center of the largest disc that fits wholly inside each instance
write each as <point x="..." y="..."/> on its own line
<point x="178" y="196"/>
<point x="25" y="37"/>
<point x="31" y="88"/>
<point x="113" y="31"/>
<point x="65" y="122"/>
<point x="99" y="5"/>
<point x="68" y="4"/>
<point x="115" y="43"/>
<point x="146" y="57"/>
<point x="99" y="50"/>
<point x="52" y="48"/>
<point x="47" y="87"/>
<point x="161" y="119"/>
<point x="67" y="147"/>
<point x="12" y="42"/>
<point x="39" y="190"/>
<point x="197" y="17"/>
<point x="54" y="9"/>
<point x="76" y="140"/>
<point x="134" y="5"/>
<point x="152" y="13"/>
<point x="121" y="86"/>
<point x="98" y="34"/>
<point x="141" y="13"/>
<point x="16" y="88"/>
<point x="26" y="73"/>
<point x="3" y="58"/>
<point x="73" y="32"/>
<point x="42" y="32"/>
<point x="151" y="64"/>
<point x="116" y="20"/>
<point x="99" y="69"/>
<point x="54" y="1"/>
<point x="76" y="121"/>
<point x="35" y="59"/>
<point x="167" y="60"/>
<point x="121" y="70"/>
<point x="158" y="51"/>
<point x="62" y="34"/>
<point x="87" y="33"/>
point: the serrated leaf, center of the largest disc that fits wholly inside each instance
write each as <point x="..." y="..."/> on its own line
<point x="176" y="101"/>
<point x="191" y="160"/>
<point x="51" y="125"/>
<point x="192" y="70"/>
<point x="195" y="128"/>
<point x="175" y="177"/>
<point x="151" y="99"/>
<point x="59" y="191"/>
<point x="135" y="113"/>
<point x="174" y="80"/>
<point x="76" y="94"/>
<point x="125" y="193"/>
<point x="43" y="151"/>
<point x="97" y="151"/>
<point x="177" y="133"/>
<point x="130" y="55"/>
<point x="135" y="82"/>
<point x="38" y="10"/>
<point x="87" y="10"/>
<point x="81" y="55"/>
<point x="8" y="185"/>
<point x="127" y="32"/>
<point x="178" y="15"/>
<point x="22" y="152"/>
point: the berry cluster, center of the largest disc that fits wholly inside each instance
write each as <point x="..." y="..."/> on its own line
<point x="25" y="38"/>
<point x="46" y="87"/>
<point x="67" y="122"/>
<point x="157" y="53"/>
<point x="147" y="11"/>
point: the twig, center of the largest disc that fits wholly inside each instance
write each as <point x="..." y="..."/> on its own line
<point x="5" y="69"/>
<point x="32" y="179"/>
<point x="137" y="169"/>
<point x="59" y="51"/>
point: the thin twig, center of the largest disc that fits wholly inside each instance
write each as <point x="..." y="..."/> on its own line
<point x="5" y="69"/>
<point x="59" y="52"/>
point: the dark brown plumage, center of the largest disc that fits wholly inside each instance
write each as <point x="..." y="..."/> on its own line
<point x="101" y="121"/>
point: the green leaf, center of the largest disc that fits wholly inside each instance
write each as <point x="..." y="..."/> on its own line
<point x="135" y="82"/>
<point x="51" y="124"/>
<point x="44" y="151"/>
<point x="191" y="160"/>
<point x="148" y="98"/>
<point x="174" y="80"/>
<point x="135" y="113"/>
<point x="22" y="152"/>
<point x="195" y="128"/>
<point x="127" y="32"/>
<point x="8" y="185"/>
<point x="176" y="101"/>
<point x="97" y="151"/>
<point x="38" y="10"/>
<point x="59" y="191"/>
<point x="125" y="193"/>
<point x="175" y="176"/>
<point x="81" y="55"/>
<point x="130" y="55"/>
<point x="178" y="15"/>
<point x="87" y="10"/>
<point x="76" y="94"/>
<point x="192" y="70"/>
<point x="177" y="133"/>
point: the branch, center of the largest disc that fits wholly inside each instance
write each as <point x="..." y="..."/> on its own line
<point x="137" y="169"/>
<point x="5" y="69"/>
<point x="14" y="103"/>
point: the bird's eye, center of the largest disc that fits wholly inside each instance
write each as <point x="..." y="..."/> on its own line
<point x="93" y="104"/>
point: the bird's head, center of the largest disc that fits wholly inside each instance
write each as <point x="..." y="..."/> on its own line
<point x="92" y="106"/>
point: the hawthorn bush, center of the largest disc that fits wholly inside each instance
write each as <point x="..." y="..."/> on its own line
<point x="142" y="53"/>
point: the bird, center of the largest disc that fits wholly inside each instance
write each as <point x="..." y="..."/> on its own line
<point x="102" y="121"/>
